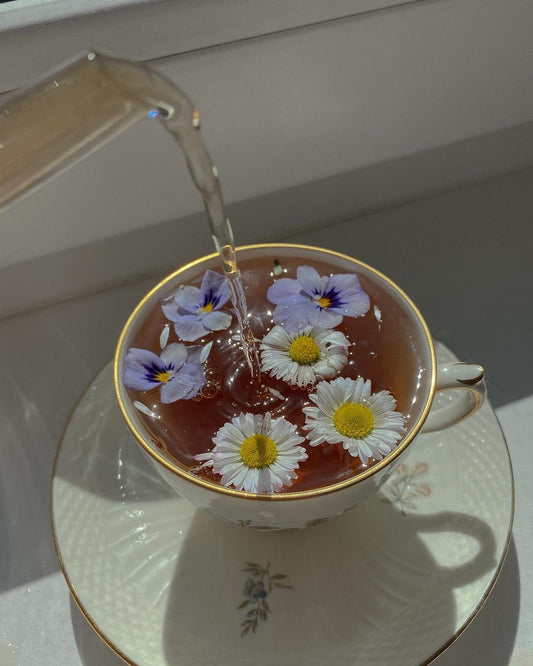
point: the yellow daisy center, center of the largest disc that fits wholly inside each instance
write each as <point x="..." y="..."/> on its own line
<point x="304" y="350"/>
<point x="323" y="301"/>
<point x="162" y="377"/>
<point x="353" y="420"/>
<point x="258" y="451"/>
<point x="208" y="307"/>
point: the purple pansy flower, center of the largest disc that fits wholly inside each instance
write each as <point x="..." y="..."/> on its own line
<point x="314" y="300"/>
<point x="195" y="311"/>
<point x="178" y="371"/>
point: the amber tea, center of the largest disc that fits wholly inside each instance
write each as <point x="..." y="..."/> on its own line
<point x="379" y="350"/>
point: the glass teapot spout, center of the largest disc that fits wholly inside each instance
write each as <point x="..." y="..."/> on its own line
<point x="79" y="107"/>
<point x="69" y="114"/>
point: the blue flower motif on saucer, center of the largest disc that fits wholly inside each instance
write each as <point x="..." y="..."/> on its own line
<point x="314" y="300"/>
<point x="254" y="590"/>
<point x="178" y="371"/>
<point x="196" y="312"/>
<point x="259" y="584"/>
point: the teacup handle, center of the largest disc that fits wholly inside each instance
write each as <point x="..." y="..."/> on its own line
<point x="468" y="377"/>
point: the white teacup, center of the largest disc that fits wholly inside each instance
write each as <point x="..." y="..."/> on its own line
<point x="405" y="350"/>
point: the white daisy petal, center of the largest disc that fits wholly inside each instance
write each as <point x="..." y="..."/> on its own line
<point x="263" y="469"/>
<point x="301" y="357"/>
<point x="370" y="432"/>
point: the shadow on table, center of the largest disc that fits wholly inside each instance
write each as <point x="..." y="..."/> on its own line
<point x="338" y="590"/>
<point x="490" y="638"/>
<point x="329" y="569"/>
<point x="364" y="579"/>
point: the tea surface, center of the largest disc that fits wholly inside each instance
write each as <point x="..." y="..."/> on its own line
<point x="380" y="350"/>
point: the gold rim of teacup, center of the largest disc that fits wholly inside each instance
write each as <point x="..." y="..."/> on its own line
<point x="285" y="496"/>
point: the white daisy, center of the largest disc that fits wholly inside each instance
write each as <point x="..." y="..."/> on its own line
<point x="347" y="413"/>
<point x="302" y="357"/>
<point x="256" y="453"/>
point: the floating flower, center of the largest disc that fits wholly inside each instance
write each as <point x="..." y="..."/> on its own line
<point x="303" y="357"/>
<point x="195" y="312"/>
<point x="347" y="413"/>
<point x="316" y="301"/>
<point x="178" y="371"/>
<point x="256" y="453"/>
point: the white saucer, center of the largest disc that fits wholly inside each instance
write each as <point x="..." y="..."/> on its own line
<point x="393" y="581"/>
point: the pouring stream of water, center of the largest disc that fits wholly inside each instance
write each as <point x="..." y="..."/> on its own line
<point x="77" y="109"/>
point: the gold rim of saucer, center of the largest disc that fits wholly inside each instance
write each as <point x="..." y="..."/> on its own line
<point x="297" y="495"/>
<point x="73" y="592"/>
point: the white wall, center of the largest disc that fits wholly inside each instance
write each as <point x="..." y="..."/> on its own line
<point x="283" y="109"/>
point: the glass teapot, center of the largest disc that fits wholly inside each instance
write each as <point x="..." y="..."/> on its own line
<point x="81" y="106"/>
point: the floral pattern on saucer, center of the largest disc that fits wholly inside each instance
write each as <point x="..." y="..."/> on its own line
<point x="404" y="487"/>
<point x="258" y="586"/>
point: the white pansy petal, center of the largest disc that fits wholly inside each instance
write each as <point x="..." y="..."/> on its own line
<point x="324" y="318"/>
<point x="143" y="408"/>
<point x="189" y="328"/>
<point x="216" y="320"/>
<point x="310" y="280"/>
<point x="285" y="290"/>
<point x="170" y="310"/>
<point x="293" y="316"/>
<point x="205" y="352"/>
<point x="174" y="353"/>
<point x="163" y="338"/>
<point x="187" y="298"/>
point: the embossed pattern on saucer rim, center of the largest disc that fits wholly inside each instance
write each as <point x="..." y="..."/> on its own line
<point x="400" y="576"/>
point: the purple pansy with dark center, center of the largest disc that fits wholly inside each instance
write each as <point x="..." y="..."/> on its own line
<point x="178" y="371"/>
<point x="314" y="300"/>
<point x="195" y="312"/>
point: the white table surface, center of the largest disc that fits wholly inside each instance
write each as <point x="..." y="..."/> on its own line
<point x="49" y="356"/>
